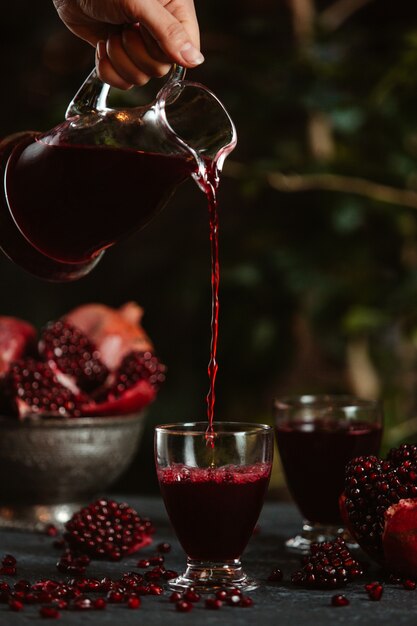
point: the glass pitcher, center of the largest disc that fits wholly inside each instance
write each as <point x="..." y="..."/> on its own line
<point x="104" y="173"/>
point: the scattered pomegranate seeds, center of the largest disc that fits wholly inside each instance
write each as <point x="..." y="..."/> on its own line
<point x="340" y="600"/>
<point x="375" y="591"/>
<point x="15" y="605"/>
<point x="275" y="576"/>
<point x="100" y="604"/>
<point x="49" y="612"/>
<point x="246" y="601"/>
<point x="213" y="603"/>
<point x="9" y="561"/>
<point x="51" y="530"/>
<point x="410" y="585"/>
<point x="190" y="595"/>
<point x="183" y="607"/>
<point x="175" y="596"/>
<point x="143" y="563"/>
<point x="8" y="565"/>
<point x="164" y="547"/>
<point x="156" y="560"/>
<point x="134" y="602"/>
<point x="233" y="600"/>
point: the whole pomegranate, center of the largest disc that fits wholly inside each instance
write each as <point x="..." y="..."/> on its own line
<point x="379" y="506"/>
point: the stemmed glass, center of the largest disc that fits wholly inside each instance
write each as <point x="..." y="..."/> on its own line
<point x="316" y="437"/>
<point x="213" y="489"/>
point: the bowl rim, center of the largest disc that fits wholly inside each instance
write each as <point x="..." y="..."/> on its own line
<point x="39" y="421"/>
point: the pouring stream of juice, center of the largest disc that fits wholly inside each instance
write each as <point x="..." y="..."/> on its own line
<point x="211" y="193"/>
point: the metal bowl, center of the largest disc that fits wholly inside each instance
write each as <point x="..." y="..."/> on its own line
<point x="51" y="467"/>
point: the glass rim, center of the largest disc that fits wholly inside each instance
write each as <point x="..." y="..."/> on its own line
<point x="201" y="428"/>
<point x="338" y="401"/>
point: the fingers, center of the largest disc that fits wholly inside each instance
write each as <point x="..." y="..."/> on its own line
<point x="124" y="60"/>
<point x="165" y="31"/>
<point x="106" y="71"/>
<point x="144" y="52"/>
<point x="173" y="25"/>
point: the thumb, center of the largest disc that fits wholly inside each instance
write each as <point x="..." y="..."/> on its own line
<point x="171" y="30"/>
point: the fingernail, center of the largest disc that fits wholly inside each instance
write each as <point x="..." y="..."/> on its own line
<point x="191" y="54"/>
<point x="101" y="49"/>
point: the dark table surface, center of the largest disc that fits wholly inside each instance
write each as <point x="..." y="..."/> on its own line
<point x="274" y="603"/>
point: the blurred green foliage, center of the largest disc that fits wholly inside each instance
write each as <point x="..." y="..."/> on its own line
<point x="318" y="208"/>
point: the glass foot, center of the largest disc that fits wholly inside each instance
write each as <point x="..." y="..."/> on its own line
<point x="316" y="533"/>
<point x="209" y="577"/>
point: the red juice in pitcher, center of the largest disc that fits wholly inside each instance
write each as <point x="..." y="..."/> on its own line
<point x="71" y="201"/>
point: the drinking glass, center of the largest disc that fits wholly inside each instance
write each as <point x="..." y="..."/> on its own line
<point x="213" y="489"/>
<point x="316" y="436"/>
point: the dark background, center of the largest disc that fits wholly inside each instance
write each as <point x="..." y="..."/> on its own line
<point x="318" y="209"/>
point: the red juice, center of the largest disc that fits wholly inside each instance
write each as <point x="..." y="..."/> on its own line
<point x="72" y="201"/>
<point x="15" y="245"/>
<point x="314" y="455"/>
<point x="214" y="511"/>
<point x="210" y="188"/>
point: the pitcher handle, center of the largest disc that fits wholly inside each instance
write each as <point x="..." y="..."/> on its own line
<point x="92" y="95"/>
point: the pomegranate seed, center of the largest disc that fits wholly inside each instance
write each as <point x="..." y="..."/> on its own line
<point x="156" y="560"/>
<point x="49" y="612"/>
<point x="142" y="590"/>
<point x="190" y="595"/>
<point x="15" y="605"/>
<point x="8" y="570"/>
<point x="155" y="590"/>
<point x="134" y="602"/>
<point x="410" y="585"/>
<point x="246" y="601"/>
<point x="115" y="597"/>
<point x="61" y="604"/>
<point x="275" y="576"/>
<point x="31" y="598"/>
<point x="169" y="574"/>
<point x="183" y="606"/>
<point x="9" y="561"/>
<point x="99" y="604"/>
<point x="213" y="603"/>
<point x="18" y="595"/>
<point x="154" y="575"/>
<point x="51" y="530"/>
<point x="175" y="596"/>
<point x="339" y="600"/>
<point x="22" y="585"/>
<point x="221" y="594"/>
<point x="233" y="600"/>
<point x="143" y="563"/>
<point x="376" y="592"/>
<point x="82" y="603"/>
<point x="164" y="547"/>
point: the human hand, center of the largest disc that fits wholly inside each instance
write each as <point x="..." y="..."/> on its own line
<point x="135" y="39"/>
